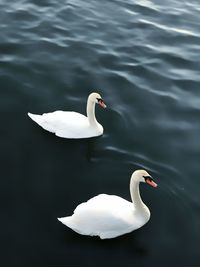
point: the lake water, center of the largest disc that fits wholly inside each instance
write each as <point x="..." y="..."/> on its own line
<point x="143" y="58"/>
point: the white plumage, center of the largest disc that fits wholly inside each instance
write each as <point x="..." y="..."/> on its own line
<point x="109" y="216"/>
<point x="69" y="124"/>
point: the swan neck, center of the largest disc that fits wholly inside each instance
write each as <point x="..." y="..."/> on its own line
<point x="135" y="195"/>
<point x="91" y="113"/>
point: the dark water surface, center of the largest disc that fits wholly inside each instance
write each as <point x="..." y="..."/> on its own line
<point x="143" y="58"/>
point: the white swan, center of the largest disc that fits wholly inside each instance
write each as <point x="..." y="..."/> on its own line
<point x="109" y="216"/>
<point x="69" y="124"/>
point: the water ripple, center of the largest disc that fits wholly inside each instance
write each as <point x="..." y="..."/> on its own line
<point x="170" y="29"/>
<point x="142" y="56"/>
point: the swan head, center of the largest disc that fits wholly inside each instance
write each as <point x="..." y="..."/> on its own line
<point x="96" y="98"/>
<point x="143" y="176"/>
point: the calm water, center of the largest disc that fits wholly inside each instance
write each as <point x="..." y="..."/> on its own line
<point x="143" y="57"/>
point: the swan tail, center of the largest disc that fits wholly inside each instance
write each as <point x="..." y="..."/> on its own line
<point x="66" y="221"/>
<point x="42" y="120"/>
<point x="36" y="118"/>
<point x="69" y="222"/>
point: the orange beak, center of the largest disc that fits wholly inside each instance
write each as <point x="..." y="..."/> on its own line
<point x="152" y="183"/>
<point x="101" y="103"/>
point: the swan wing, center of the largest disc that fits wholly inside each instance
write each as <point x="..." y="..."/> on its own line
<point x="104" y="215"/>
<point x="67" y="124"/>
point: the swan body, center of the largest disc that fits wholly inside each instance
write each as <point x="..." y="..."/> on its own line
<point x="109" y="216"/>
<point x="69" y="124"/>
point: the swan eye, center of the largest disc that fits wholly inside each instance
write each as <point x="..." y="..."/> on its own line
<point x="148" y="178"/>
<point x="99" y="100"/>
